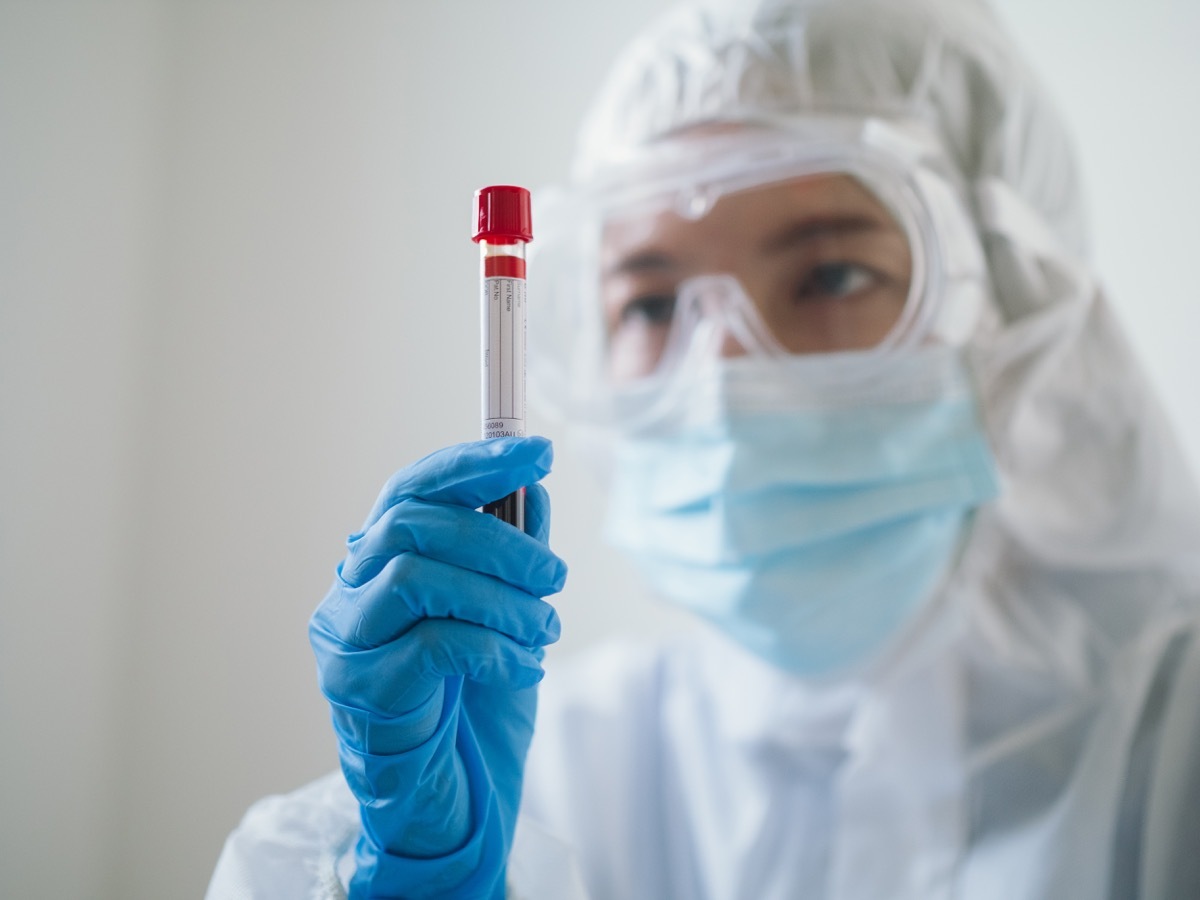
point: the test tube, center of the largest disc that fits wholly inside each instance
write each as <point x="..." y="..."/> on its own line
<point x="502" y="228"/>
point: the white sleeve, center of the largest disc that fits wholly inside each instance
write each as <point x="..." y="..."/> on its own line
<point x="542" y="867"/>
<point x="300" y="846"/>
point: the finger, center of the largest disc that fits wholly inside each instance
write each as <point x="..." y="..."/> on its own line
<point x="413" y="587"/>
<point x="537" y="512"/>
<point x="458" y="536"/>
<point x="390" y="680"/>
<point x="469" y="475"/>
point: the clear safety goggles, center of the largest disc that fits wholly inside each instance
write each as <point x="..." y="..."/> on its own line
<point x="828" y="246"/>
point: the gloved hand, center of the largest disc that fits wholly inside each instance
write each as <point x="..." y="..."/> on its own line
<point x="428" y="648"/>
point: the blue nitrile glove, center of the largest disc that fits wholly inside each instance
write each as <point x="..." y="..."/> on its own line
<point x="428" y="648"/>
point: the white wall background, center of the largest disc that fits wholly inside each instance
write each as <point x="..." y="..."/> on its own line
<point x="237" y="291"/>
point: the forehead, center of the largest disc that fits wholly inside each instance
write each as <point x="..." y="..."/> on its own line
<point x="745" y="217"/>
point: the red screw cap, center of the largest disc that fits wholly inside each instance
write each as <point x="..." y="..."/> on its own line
<point x="502" y="215"/>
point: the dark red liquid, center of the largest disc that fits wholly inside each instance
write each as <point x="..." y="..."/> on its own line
<point x="510" y="509"/>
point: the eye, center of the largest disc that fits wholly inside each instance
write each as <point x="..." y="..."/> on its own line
<point x="651" y="309"/>
<point x="829" y="281"/>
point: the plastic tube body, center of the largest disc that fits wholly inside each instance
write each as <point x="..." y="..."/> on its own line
<point x="502" y="328"/>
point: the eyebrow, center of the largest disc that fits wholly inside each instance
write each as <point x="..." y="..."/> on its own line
<point x="652" y="261"/>
<point x="811" y="229"/>
<point x="641" y="263"/>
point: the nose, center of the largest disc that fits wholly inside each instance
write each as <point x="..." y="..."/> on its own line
<point x="731" y="347"/>
<point x="728" y="322"/>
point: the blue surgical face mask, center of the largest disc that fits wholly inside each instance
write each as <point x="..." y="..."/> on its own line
<point x="810" y="522"/>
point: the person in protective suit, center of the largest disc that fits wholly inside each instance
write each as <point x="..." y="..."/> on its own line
<point x="818" y="293"/>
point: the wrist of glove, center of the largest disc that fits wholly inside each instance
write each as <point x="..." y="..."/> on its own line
<point x="455" y="845"/>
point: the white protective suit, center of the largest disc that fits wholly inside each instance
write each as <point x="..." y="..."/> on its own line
<point x="1039" y="735"/>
